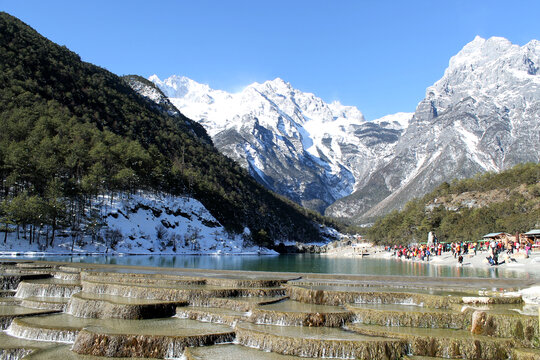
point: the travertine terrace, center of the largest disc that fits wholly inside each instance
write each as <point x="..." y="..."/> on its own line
<point x="70" y="311"/>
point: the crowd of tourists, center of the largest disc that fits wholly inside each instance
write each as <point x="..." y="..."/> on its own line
<point x="493" y="248"/>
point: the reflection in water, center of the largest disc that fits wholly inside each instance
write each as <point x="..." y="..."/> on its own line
<point x="298" y="263"/>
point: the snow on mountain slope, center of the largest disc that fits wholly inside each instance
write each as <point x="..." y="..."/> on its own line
<point x="144" y="224"/>
<point x="397" y="121"/>
<point x="292" y="142"/>
<point x="482" y="115"/>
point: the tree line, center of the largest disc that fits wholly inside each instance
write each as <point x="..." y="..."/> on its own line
<point x="516" y="210"/>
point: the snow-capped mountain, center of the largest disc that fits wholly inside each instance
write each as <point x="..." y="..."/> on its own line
<point x="482" y="115"/>
<point x="293" y="142"/>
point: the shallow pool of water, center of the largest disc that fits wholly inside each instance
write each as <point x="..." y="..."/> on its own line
<point x="306" y="263"/>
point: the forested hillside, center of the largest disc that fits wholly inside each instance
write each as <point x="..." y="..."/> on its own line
<point x="467" y="209"/>
<point x="71" y="131"/>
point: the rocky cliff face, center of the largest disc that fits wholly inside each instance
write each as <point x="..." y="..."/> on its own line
<point x="483" y="115"/>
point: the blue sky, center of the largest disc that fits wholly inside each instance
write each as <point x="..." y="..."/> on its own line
<point x="377" y="55"/>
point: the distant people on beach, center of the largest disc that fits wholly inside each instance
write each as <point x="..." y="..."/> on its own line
<point x="459" y="249"/>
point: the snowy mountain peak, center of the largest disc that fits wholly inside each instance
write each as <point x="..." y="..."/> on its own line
<point x="277" y="84"/>
<point x="179" y="86"/>
<point x="492" y="67"/>
<point x="481" y="115"/>
<point x="480" y="51"/>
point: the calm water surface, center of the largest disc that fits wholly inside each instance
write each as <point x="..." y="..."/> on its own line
<point x="300" y="263"/>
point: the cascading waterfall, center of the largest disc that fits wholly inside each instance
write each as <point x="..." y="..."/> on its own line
<point x="67" y="276"/>
<point x="24" y="331"/>
<point x="207" y="315"/>
<point x="14" y="354"/>
<point x="33" y="289"/>
<point x="42" y="304"/>
<point x="317" y="345"/>
<point x="328" y="319"/>
<point x="84" y="308"/>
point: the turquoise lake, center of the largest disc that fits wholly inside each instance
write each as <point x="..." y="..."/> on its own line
<point x="306" y="263"/>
